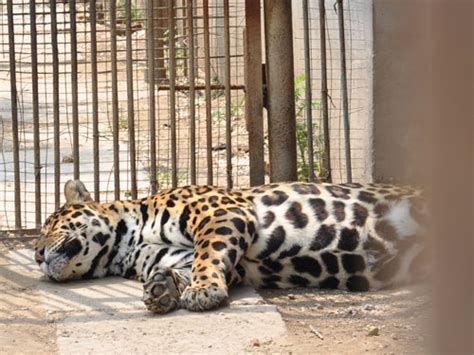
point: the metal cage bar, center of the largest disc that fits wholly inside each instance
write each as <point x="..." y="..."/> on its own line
<point x="254" y="84"/>
<point x="207" y="75"/>
<point x="95" y="98"/>
<point x="192" y="90"/>
<point x="324" y="92"/>
<point x="227" y="83"/>
<point x="345" y="97"/>
<point x="130" y="100"/>
<point x="14" y="105"/>
<point x="56" y="118"/>
<point x="308" y="93"/>
<point x="151" y="97"/>
<point x="115" y="108"/>
<point x="74" y="89"/>
<point x="172" y="79"/>
<point x="36" y="123"/>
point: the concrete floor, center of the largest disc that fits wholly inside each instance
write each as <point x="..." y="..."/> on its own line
<point x="107" y="316"/>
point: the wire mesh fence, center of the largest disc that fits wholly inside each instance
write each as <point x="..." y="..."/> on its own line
<point x="357" y="27"/>
<point x="133" y="96"/>
<point x="91" y="105"/>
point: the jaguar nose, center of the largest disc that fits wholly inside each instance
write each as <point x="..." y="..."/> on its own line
<point x="39" y="255"/>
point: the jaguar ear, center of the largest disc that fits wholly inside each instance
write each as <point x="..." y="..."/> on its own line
<point x="75" y="191"/>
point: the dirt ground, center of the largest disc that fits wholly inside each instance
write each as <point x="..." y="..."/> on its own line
<point x="384" y="322"/>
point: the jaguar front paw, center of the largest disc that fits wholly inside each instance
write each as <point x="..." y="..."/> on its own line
<point x="203" y="298"/>
<point x="161" y="292"/>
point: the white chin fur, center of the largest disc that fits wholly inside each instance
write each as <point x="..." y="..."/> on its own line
<point x="44" y="268"/>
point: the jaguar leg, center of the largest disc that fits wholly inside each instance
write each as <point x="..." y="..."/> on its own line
<point x="162" y="291"/>
<point x="219" y="245"/>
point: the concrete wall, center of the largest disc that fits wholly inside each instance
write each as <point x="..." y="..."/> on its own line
<point x="359" y="45"/>
<point x="387" y="58"/>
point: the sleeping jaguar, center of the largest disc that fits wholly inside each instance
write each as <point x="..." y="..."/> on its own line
<point x="188" y="245"/>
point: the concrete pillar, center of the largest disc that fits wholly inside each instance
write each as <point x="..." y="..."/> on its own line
<point x="401" y="58"/>
<point x="280" y="89"/>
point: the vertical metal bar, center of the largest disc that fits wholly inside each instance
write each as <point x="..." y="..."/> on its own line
<point x="115" y="109"/>
<point x="56" y="122"/>
<point x="74" y="93"/>
<point x="172" y="77"/>
<point x="227" y="83"/>
<point x="308" y="93"/>
<point x="207" y="75"/>
<point x="14" y="107"/>
<point x="280" y="88"/>
<point x="36" y="132"/>
<point x="254" y="91"/>
<point x="192" y="93"/>
<point x="95" y="98"/>
<point x="151" y="96"/>
<point x="324" y="91"/>
<point x="130" y="102"/>
<point x="345" y="96"/>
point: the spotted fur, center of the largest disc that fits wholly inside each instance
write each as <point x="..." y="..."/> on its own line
<point x="190" y="244"/>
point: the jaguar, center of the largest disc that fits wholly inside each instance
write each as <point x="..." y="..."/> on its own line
<point x="189" y="245"/>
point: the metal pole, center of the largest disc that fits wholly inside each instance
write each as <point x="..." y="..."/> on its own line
<point x="75" y="106"/>
<point x="56" y="119"/>
<point x="345" y="98"/>
<point x="281" y="89"/>
<point x="324" y="91"/>
<point x="308" y="93"/>
<point x="172" y="77"/>
<point x="254" y="91"/>
<point x="192" y="92"/>
<point x="14" y="107"/>
<point x="130" y="102"/>
<point x="151" y="96"/>
<point x="115" y="109"/>
<point x="36" y="132"/>
<point x="227" y="79"/>
<point x="207" y="75"/>
<point x="95" y="98"/>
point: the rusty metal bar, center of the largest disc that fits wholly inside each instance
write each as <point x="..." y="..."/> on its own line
<point x="74" y="92"/>
<point x="130" y="102"/>
<point x="308" y="94"/>
<point x="95" y="98"/>
<point x="227" y="82"/>
<point x="192" y="93"/>
<point x="115" y="108"/>
<point x="207" y="75"/>
<point x="14" y="110"/>
<point x="345" y="95"/>
<point x="36" y="132"/>
<point x="151" y="96"/>
<point x="199" y="87"/>
<point x="324" y="92"/>
<point x="254" y="91"/>
<point x="280" y="88"/>
<point x="56" y="122"/>
<point x="172" y="77"/>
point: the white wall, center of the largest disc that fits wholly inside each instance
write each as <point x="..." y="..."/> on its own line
<point x="359" y="44"/>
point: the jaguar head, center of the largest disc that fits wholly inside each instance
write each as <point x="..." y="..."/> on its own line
<point x="77" y="239"/>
